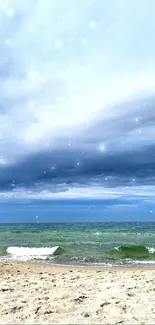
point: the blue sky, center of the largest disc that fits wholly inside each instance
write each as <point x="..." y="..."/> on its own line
<point x="75" y="211"/>
<point x="77" y="101"/>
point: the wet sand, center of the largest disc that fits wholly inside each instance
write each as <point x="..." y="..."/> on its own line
<point x="33" y="293"/>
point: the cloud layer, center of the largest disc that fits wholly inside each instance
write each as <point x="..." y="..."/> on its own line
<point x="77" y="99"/>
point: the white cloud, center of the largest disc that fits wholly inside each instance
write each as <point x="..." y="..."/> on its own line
<point x="60" y="76"/>
<point x="135" y="195"/>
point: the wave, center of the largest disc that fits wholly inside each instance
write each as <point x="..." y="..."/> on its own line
<point x="135" y="251"/>
<point x="121" y="255"/>
<point x="29" y="253"/>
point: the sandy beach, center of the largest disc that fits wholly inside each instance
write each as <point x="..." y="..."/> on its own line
<point x="47" y="294"/>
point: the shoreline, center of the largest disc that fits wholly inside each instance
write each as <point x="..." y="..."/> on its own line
<point x="37" y="264"/>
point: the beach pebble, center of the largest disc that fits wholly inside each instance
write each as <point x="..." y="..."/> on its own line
<point x="6" y="289"/>
<point x="117" y="302"/>
<point x="86" y="315"/>
<point x="37" y="309"/>
<point x="47" y="312"/>
<point x="105" y="304"/>
<point x="80" y="298"/>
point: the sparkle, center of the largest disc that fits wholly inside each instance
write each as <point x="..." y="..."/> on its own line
<point x="78" y="163"/>
<point x="92" y="24"/>
<point x="37" y="217"/>
<point x="2" y="161"/>
<point x="133" y="179"/>
<point x="69" y="143"/>
<point x="45" y="172"/>
<point x="137" y="120"/>
<point x="58" y="44"/>
<point x="102" y="147"/>
<point x="13" y="183"/>
<point x="6" y="57"/>
<point x="150" y="211"/>
<point x="106" y="178"/>
<point x="139" y="131"/>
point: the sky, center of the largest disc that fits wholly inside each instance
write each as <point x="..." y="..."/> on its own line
<point x="77" y="113"/>
<point x="73" y="210"/>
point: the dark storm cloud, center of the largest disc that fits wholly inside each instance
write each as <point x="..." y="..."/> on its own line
<point x="127" y="157"/>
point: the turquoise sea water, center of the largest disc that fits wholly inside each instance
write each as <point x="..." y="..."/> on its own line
<point x="80" y="243"/>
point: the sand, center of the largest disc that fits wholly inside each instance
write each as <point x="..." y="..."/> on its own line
<point x="46" y="294"/>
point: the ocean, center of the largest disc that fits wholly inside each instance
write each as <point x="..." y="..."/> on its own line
<point x="109" y="243"/>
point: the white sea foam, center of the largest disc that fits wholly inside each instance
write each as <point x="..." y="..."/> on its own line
<point x="145" y="262"/>
<point x="151" y="250"/>
<point x="29" y="253"/>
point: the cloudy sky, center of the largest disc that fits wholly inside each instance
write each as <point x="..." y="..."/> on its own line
<point x="77" y="104"/>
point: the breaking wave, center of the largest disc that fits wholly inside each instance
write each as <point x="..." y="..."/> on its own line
<point x="29" y="253"/>
<point x="122" y="255"/>
<point x="135" y="251"/>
